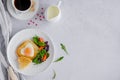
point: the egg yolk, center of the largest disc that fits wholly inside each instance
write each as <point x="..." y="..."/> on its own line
<point x="27" y="51"/>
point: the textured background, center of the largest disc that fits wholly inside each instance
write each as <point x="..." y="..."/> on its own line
<point x="90" y="29"/>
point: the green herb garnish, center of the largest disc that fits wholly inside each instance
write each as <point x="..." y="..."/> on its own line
<point x="37" y="42"/>
<point x="38" y="58"/>
<point x="59" y="59"/>
<point x="54" y="76"/>
<point x="64" y="48"/>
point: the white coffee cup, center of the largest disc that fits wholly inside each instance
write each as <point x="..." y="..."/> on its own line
<point x="53" y="12"/>
<point x="21" y="11"/>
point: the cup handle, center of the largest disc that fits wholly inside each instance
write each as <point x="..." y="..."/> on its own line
<point x="59" y="3"/>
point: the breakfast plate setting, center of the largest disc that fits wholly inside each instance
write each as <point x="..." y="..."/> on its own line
<point x="59" y="40"/>
<point x="32" y="53"/>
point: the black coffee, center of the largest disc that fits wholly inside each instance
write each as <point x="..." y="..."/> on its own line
<point x="22" y="4"/>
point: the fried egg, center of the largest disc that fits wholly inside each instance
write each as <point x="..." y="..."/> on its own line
<point x="28" y="50"/>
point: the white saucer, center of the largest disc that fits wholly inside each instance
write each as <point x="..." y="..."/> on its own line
<point x="22" y="16"/>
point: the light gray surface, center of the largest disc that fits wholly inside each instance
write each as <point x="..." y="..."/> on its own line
<point x="90" y="29"/>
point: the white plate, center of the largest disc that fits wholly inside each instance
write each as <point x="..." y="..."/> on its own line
<point x="23" y="16"/>
<point x="20" y="37"/>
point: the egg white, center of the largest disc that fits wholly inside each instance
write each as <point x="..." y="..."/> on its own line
<point x="29" y="45"/>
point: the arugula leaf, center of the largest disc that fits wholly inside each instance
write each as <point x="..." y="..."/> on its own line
<point x="41" y="43"/>
<point x="54" y="76"/>
<point x="35" y="38"/>
<point x="37" y="42"/>
<point x="59" y="59"/>
<point x="42" y="53"/>
<point x="39" y="56"/>
<point x="64" y="48"/>
<point x="35" y="59"/>
<point x="47" y="55"/>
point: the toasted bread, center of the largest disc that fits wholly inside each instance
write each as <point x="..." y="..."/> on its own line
<point x="24" y="62"/>
<point x="36" y="49"/>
